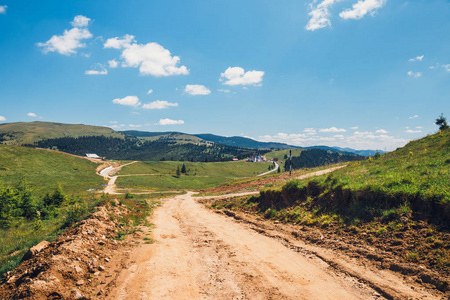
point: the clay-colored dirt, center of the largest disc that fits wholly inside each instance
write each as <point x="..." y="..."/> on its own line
<point x="198" y="254"/>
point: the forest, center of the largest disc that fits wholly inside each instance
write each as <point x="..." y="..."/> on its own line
<point x="131" y="148"/>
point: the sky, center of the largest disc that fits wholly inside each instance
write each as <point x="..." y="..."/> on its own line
<point x="364" y="74"/>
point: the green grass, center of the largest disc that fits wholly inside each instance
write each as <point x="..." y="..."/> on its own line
<point x="44" y="170"/>
<point x="199" y="175"/>
<point x="281" y="153"/>
<point x="421" y="169"/>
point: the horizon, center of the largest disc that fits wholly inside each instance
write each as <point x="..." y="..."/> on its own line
<point x="351" y="74"/>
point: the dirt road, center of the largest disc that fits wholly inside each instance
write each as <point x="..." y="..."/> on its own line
<point x="199" y="254"/>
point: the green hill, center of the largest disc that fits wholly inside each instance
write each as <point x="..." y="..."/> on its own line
<point x="44" y="170"/>
<point x="30" y="132"/>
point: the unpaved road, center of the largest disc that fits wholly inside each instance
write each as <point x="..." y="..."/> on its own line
<point x="199" y="254"/>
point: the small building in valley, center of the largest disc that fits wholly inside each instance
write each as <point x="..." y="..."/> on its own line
<point x="93" y="155"/>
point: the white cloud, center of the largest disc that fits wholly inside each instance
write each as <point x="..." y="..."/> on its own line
<point x="128" y="101"/>
<point x="354" y="128"/>
<point x="237" y="76"/>
<point x="310" y="131"/>
<point x="113" y="122"/>
<point x="414" y="117"/>
<point x="223" y="91"/>
<point x="119" y="43"/>
<point x="320" y="15"/>
<point x="414" y="74"/>
<point x="134" y="126"/>
<point x="152" y="59"/>
<point x="382" y="131"/>
<point x="419" y="127"/>
<point x="113" y="64"/>
<point x="3" y="11"/>
<point x="197" y="89"/>
<point x="332" y="129"/>
<point x="169" y="122"/>
<point x="339" y="136"/>
<point x="2" y="118"/>
<point x="361" y="8"/>
<point x="87" y="55"/>
<point x="158" y="104"/>
<point x="149" y="91"/>
<point x="413" y="131"/>
<point x="116" y="126"/>
<point x="32" y="115"/>
<point x="446" y="67"/>
<point x="102" y="71"/>
<point x="417" y="58"/>
<point x="67" y="43"/>
<point x="80" y="21"/>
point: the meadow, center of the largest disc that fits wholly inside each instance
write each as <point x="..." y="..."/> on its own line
<point x="45" y="170"/>
<point x="162" y="175"/>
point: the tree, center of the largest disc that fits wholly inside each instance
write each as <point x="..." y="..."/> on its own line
<point x="178" y="171"/>
<point x="441" y="122"/>
<point x="183" y="169"/>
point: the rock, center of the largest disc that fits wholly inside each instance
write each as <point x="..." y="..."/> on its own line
<point x="375" y="294"/>
<point x="35" y="250"/>
<point x="78" y="269"/>
<point x="80" y="282"/>
<point x="101" y="268"/>
<point x="106" y="259"/>
<point x="77" y="295"/>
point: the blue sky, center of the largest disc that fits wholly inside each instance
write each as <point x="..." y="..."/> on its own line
<point x="350" y="73"/>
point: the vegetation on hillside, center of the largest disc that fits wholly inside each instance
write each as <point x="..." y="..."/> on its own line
<point x="317" y="157"/>
<point x="131" y="148"/>
<point x="45" y="170"/>
<point x="29" y="132"/>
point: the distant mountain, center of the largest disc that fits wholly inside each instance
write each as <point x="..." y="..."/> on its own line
<point x="238" y="141"/>
<point x="19" y="133"/>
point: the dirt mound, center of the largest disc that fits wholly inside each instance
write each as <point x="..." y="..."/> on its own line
<point x="81" y="264"/>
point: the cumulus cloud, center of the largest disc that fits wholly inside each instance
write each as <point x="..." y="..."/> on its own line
<point x="119" y="43"/>
<point x="151" y="59"/>
<point x="417" y="58"/>
<point x="128" y="101"/>
<point x="99" y="69"/>
<point x="33" y="115"/>
<point x="134" y="126"/>
<point x="197" y="89"/>
<point x="412" y="131"/>
<point x="159" y="104"/>
<point x="113" y="64"/>
<point x="354" y="127"/>
<point x="361" y="8"/>
<point x="332" y="129"/>
<point x="80" y="21"/>
<point x="446" y="67"/>
<point x="382" y="131"/>
<point x="169" y="122"/>
<point x="310" y="131"/>
<point x="414" y="117"/>
<point x="237" y="76"/>
<point x="70" y="40"/>
<point x="3" y="11"/>
<point x="149" y="91"/>
<point x="2" y="118"/>
<point x="223" y="91"/>
<point x="414" y="74"/>
<point x="320" y="15"/>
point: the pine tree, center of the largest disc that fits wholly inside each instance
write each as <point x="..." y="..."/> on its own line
<point x="178" y="171"/>
<point x="441" y="122"/>
<point x="183" y="169"/>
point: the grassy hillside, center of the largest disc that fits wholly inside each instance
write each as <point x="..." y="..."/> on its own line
<point x="30" y="132"/>
<point x="44" y="170"/>
<point x="198" y="175"/>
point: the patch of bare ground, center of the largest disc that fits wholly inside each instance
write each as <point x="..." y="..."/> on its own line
<point x="380" y="260"/>
<point x="83" y="263"/>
